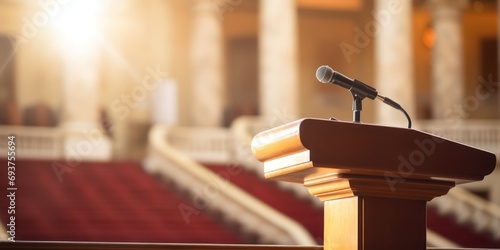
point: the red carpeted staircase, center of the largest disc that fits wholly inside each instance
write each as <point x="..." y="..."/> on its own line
<point x="462" y="234"/>
<point x="102" y="202"/>
<point x="268" y="191"/>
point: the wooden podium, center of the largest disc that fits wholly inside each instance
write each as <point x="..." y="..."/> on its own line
<point x="375" y="180"/>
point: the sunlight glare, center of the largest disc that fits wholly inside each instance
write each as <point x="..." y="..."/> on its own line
<point x="78" y="23"/>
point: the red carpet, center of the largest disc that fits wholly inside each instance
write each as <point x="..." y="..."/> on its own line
<point x="268" y="191"/>
<point x="463" y="235"/>
<point x="102" y="202"/>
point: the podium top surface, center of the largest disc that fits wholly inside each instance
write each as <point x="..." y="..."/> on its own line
<point x="364" y="149"/>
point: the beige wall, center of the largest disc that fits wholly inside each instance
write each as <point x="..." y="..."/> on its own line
<point x="422" y="63"/>
<point x="35" y="59"/>
<point x="477" y="26"/>
<point x="321" y="35"/>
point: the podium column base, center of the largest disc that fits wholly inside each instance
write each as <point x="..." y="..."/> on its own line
<point x="372" y="223"/>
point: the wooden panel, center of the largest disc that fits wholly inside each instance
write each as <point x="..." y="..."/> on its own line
<point x="342" y="224"/>
<point x="148" y="246"/>
<point x="393" y="224"/>
<point x="339" y="5"/>
<point x="141" y="246"/>
<point x="367" y="223"/>
<point x="337" y="186"/>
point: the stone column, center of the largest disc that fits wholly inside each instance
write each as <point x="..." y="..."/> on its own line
<point x="394" y="58"/>
<point x="207" y="74"/>
<point x="83" y="135"/>
<point x="80" y="89"/>
<point x="447" y="57"/>
<point x="278" y="79"/>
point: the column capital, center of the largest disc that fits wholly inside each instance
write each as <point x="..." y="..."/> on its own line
<point x="446" y="7"/>
<point x="216" y="6"/>
<point x="338" y="186"/>
<point x="457" y="4"/>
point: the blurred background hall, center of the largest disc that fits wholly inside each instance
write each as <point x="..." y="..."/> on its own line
<point x="133" y="119"/>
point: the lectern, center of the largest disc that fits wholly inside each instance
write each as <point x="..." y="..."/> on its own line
<point x="375" y="180"/>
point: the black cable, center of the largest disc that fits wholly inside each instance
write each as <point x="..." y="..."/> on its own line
<point x="407" y="117"/>
<point x="395" y="105"/>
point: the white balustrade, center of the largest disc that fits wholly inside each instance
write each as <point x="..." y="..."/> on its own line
<point x="33" y="142"/>
<point x="218" y="195"/>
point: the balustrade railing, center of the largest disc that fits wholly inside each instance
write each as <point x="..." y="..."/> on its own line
<point x="484" y="134"/>
<point x="219" y="195"/>
<point x="33" y="142"/>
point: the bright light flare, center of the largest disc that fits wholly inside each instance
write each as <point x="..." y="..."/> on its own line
<point x="79" y="22"/>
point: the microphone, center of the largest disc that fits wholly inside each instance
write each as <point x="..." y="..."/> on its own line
<point x="360" y="90"/>
<point x="325" y="74"/>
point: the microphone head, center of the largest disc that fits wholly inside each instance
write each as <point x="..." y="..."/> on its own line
<point x="324" y="74"/>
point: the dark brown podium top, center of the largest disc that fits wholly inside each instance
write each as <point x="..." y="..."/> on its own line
<point x="313" y="147"/>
